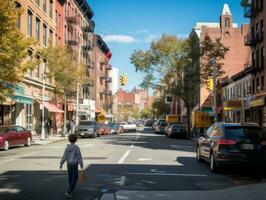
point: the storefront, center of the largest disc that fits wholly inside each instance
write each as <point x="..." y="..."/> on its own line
<point x="233" y="111"/>
<point x="256" y="113"/>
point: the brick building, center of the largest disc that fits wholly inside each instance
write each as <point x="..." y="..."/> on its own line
<point x="236" y="58"/>
<point x="255" y="39"/>
<point x="38" y="22"/>
<point x="60" y="22"/>
<point x="102" y="80"/>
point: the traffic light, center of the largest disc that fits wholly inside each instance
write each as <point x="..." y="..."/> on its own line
<point x="210" y="83"/>
<point x="123" y="80"/>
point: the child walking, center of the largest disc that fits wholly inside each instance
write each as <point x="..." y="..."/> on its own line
<point x="74" y="158"/>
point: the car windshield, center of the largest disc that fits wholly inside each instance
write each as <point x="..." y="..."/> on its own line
<point x="113" y="125"/>
<point x="86" y="123"/>
<point x="178" y="126"/>
<point x="163" y="123"/>
<point x="245" y="132"/>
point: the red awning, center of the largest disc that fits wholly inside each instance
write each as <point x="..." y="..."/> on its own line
<point x="52" y="107"/>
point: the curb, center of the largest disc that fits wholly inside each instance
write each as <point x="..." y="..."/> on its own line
<point x="49" y="142"/>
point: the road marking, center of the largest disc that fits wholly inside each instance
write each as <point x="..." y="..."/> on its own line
<point x="132" y="146"/>
<point x="123" y="158"/>
<point x="20" y="156"/>
<point x="121" y="181"/>
<point x="166" y="174"/>
<point x="155" y="171"/>
<point x="144" y="159"/>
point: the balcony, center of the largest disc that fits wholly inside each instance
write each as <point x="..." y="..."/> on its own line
<point x="250" y="40"/>
<point x="72" y="19"/>
<point x="89" y="28"/>
<point x="109" y="80"/>
<point x="109" y="67"/>
<point x="251" y="10"/>
<point x="87" y="47"/>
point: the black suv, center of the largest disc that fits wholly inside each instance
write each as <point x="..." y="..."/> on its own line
<point x="228" y="143"/>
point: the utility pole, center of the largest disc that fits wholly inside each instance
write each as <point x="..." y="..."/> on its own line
<point x="77" y="98"/>
<point x="214" y="76"/>
<point x="43" y="91"/>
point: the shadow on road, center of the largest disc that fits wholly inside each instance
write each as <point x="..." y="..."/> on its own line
<point x="108" y="179"/>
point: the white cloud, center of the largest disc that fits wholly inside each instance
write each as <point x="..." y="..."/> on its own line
<point x="144" y="31"/>
<point x="182" y="36"/>
<point x="119" y="39"/>
<point x="151" y="38"/>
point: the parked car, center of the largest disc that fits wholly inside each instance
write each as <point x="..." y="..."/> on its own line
<point x="11" y="136"/>
<point x="114" y="127"/>
<point x="149" y="123"/>
<point x="229" y="144"/>
<point x="87" y="128"/>
<point x="160" y="126"/>
<point x="128" y="127"/>
<point x="176" y="130"/>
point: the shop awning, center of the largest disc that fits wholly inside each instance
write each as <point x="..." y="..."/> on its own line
<point x="52" y="107"/>
<point x="19" y="95"/>
<point x="233" y="105"/>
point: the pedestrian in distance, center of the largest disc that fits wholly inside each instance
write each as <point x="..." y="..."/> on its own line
<point x="73" y="157"/>
<point x="69" y="127"/>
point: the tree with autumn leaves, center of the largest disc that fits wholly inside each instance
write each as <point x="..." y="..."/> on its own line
<point x="13" y="48"/>
<point x="179" y="67"/>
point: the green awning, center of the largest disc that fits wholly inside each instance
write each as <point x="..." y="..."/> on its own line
<point x="19" y="95"/>
<point x="207" y="109"/>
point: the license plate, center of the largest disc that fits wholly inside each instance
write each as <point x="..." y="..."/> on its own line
<point x="248" y="146"/>
<point x="82" y="134"/>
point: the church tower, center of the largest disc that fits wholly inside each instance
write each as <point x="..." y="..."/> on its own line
<point x="226" y="20"/>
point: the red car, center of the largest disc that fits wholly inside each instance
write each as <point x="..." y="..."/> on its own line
<point x="13" y="136"/>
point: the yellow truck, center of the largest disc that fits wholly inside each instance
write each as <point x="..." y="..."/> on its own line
<point x="200" y="121"/>
<point x="172" y="118"/>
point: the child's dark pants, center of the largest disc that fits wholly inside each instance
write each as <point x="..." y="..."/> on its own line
<point x="73" y="175"/>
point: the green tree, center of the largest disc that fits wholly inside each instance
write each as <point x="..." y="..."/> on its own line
<point x="65" y="71"/>
<point x="13" y="48"/>
<point x="211" y="49"/>
<point x="146" y="113"/>
<point x="160" y="108"/>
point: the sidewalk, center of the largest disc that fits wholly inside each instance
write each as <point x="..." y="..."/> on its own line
<point x="36" y="139"/>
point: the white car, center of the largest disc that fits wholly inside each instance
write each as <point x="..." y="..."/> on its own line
<point x="127" y="127"/>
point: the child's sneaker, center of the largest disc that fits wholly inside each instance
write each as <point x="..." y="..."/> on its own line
<point x="68" y="195"/>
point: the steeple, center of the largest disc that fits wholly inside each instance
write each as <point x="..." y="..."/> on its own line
<point x="226" y="21"/>
<point x="226" y="10"/>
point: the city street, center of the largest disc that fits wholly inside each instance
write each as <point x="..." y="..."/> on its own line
<point x="128" y="166"/>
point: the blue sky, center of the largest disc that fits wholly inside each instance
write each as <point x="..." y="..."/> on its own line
<point x="132" y="24"/>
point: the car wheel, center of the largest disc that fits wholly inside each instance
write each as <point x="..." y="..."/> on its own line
<point x="6" y="145"/>
<point x="28" y="142"/>
<point x="198" y="154"/>
<point x="213" y="166"/>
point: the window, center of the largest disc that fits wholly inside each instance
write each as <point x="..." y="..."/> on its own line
<point x="262" y="57"/>
<point x="261" y="29"/>
<point x="19" y="20"/>
<point x="253" y="60"/>
<point x="257" y="59"/>
<point x="44" y="70"/>
<point x="227" y="22"/>
<point x="29" y="121"/>
<point x="37" y="70"/>
<point x="253" y="86"/>
<point x="51" y="9"/>
<point x="262" y="82"/>
<point x="51" y="37"/>
<point x="29" y="74"/>
<point x="37" y="28"/>
<point x="44" y="37"/>
<point x="37" y="2"/>
<point x="257" y="30"/>
<point x="44" y="5"/>
<point x="258" y="84"/>
<point x="29" y="23"/>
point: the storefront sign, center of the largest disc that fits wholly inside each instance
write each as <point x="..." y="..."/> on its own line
<point x="257" y="102"/>
<point x="233" y="105"/>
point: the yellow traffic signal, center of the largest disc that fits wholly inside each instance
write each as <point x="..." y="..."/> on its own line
<point x="123" y="80"/>
<point x="210" y="83"/>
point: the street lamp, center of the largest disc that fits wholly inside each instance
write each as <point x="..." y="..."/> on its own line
<point x="43" y="91"/>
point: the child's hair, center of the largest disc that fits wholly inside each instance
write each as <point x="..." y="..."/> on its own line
<point x="72" y="138"/>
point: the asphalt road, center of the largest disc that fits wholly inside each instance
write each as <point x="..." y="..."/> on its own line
<point x="129" y="166"/>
